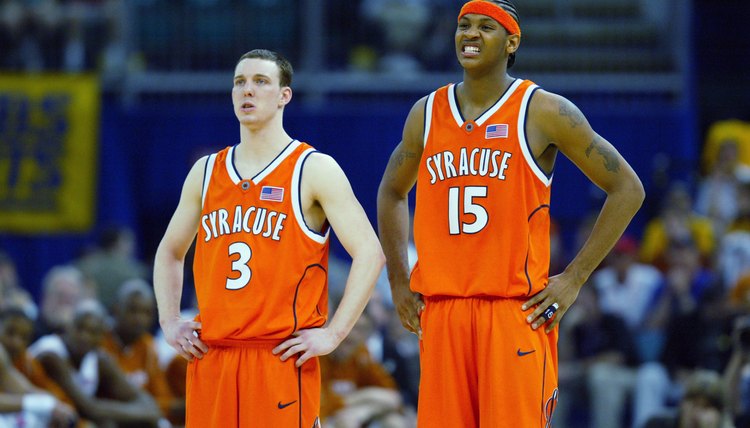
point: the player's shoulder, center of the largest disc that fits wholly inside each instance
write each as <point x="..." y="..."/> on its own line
<point x="320" y="162"/>
<point x="546" y="101"/>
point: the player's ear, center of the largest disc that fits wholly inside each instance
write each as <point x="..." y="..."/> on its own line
<point x="285" y="96"/>
<point x="512" y="43"/>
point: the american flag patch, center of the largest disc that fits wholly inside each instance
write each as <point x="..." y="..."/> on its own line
<point x="271" y="193"/>
<point x="496" y="131"/>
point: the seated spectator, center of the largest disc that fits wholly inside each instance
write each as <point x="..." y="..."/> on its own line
<point x="676" y="221"/>
<point x="356" y="390"/>
<point x="24" y="406"/>
<point x="132" y="345"/>
<point x="16" y="330"/>
<point x="702" y="405"/>
<point x="63" y="287"/>
<point x="89" y="375"/>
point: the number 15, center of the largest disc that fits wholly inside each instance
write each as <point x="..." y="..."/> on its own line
<point x="455" y="226"/>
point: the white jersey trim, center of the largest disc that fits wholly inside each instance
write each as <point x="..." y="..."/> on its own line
<point x="296" y="204"/>
<point x="428" y="118"/>
<point x="228" y="162"/>
<point x="513" y="86"/>
<point x="208" y="171"/>
<point x="454" y="106"/>
<point x="522" y="138"/>
<point x="280" y="158"/>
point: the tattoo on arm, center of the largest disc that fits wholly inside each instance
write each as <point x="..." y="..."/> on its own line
<point x="402" y="155"/>
<point x="611" y="162"/>
<point x="574" y="116"/>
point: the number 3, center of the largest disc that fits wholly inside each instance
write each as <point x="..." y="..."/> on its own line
<point x="240" y="265"/>
<point x="470" y="207"/>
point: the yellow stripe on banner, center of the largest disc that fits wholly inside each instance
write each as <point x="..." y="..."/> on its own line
<point x="49" y="135"/>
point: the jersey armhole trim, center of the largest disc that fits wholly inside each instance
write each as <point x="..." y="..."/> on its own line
<point x="523" y="141"/>
<point x="207" y="173"/>
<point x="428" y="118"/>
<point x="296" y="198"/>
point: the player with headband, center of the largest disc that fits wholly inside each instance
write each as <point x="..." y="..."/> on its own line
<point x="481" y="153"/>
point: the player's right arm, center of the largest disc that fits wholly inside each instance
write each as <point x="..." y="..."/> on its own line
<point x="170" y="262"/>
<point x="393" y="215"/>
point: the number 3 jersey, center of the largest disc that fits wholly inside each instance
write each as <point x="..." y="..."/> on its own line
<point x="481" y="222"/>
<point x="260" y="272"/>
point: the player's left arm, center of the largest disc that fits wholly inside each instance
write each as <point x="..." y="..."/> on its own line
<point x="555" y="121"/>
<point x="327" y="185"/>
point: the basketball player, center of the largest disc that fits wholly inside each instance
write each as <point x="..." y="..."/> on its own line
<point x="481" y="153"/>
<point x="262" y="211"/>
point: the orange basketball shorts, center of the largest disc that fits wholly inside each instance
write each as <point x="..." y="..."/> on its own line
<point x="242" y="384"/>
<point x="483" y="366"/>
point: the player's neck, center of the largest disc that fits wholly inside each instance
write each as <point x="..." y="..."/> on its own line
<point x="482" y="90"/>
<point x="258" y="148"/>
<point x="270" y="138"/>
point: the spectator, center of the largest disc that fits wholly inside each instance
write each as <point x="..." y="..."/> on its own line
<point x="733" y="255"/>
<point x="702" y="405"/>
<point x="677" y="221"/>
<point x="16" y="330"/>
<point x="722" y="131"/>
<point x="717" y="196"/>
<point x="686" y="313"/>
<point x="132" y="345"/>
<point x="63" y="287"/>
<point x="89" y="376"/>
<point x="23" y="406"/>
<point x="685" y="284"/>
<point x="356" y="390"/>
<point x="113" y="263"/>
<point x="626" y="288"/>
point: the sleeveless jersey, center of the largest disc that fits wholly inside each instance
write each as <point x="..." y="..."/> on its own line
<point x="481" y="222"/>
<point x="260" y="272"/>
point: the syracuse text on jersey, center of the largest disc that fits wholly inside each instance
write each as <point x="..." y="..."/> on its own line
<point x="256" y="220"/>
<point x="485" y="162"/>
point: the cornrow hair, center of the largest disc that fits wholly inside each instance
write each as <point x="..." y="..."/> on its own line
<point x="509" y="7"/>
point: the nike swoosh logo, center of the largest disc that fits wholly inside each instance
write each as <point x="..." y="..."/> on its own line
<point x="281" y="406"/>
<point x="521" y="353"/>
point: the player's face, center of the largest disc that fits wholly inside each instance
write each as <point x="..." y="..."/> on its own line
<point x="480" y="41"/>
<point x="257" y="95"/>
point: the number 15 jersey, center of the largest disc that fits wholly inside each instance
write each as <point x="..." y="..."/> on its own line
<point x="481" y="222"/>
<point x="260" y="272"/>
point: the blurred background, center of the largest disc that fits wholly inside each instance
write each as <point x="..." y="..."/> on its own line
<point x="106" y="104"/>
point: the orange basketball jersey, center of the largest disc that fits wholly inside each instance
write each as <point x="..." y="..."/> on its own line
<point x="260" y="272"/>
<point x="481" y="222"/>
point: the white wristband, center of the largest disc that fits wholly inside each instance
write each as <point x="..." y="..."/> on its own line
<point x="40" y="405"/>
